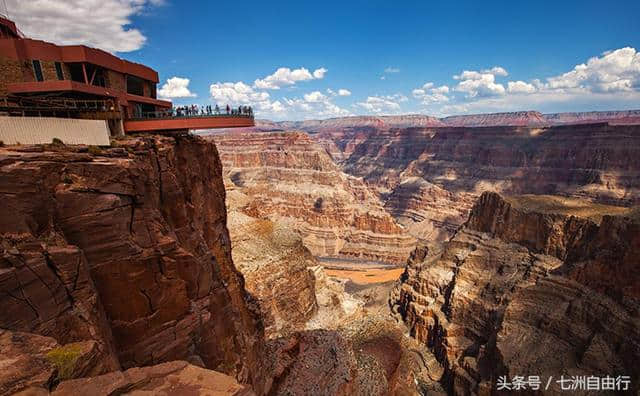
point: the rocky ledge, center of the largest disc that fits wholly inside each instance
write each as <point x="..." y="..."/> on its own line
<point x="527" y="287"/>
<point x="126" y="247"/>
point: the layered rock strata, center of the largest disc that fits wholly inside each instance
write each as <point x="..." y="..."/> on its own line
<point x="430" y="177"/>
<point x="275" y="265"/>
<point x="521" y="291"/>
<point x="128" y="247"/>
<point x="171" y="378"/>
<point x="291" y="180"/>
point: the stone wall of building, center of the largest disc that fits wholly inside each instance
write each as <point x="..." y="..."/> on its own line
<point x="12" y="71"/>
<point x="116" y="80"/>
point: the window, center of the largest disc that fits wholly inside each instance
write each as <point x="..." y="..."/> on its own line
<point x="59" y="72"/>
<point x="37" y="69"/>
<point x="135" y="86"/>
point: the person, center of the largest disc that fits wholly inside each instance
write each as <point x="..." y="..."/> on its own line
<point x="228" y="109"/>
<point x="217" y="109"/>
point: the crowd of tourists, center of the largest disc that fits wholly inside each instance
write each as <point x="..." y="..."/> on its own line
<point x="195" y="110"/>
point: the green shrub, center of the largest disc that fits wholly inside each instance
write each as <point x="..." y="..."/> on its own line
<point x="95" y="150"/>
<point x="57" y="142"/>
<point x="64" y="359"/>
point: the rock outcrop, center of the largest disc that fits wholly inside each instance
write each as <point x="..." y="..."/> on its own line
<point x="518" y="118"/>
<point x="291" y="180"/>
<point x="430" y="177"/>
<point x="127" y="247"/>
<point x="275" y="265"/>
<point x="171" y="378"/>
<point x="612" y="117"/>
<point x="522" y="290"/>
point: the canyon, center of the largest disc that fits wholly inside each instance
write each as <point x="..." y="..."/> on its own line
<point x="118" y="275"/>
<point x="365" y="255"/>
<point x="290" y="179"/>
<point x="524" y="290"/>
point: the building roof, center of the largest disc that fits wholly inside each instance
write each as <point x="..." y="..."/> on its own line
<point x="19" y="48"/>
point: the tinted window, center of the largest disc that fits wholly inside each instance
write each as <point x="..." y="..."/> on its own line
<point x="37" y="69"/>
<point x="59" y="71"/>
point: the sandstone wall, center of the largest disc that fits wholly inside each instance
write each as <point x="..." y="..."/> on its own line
<point x="291" y="179"/>
<point x="516" y="292"/>
<point x="128" y="247"/>
<point x="430" y="177"/>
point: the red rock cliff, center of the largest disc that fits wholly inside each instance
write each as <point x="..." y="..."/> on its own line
<point x="129" y="247"/>
<point x="520" y="291"/>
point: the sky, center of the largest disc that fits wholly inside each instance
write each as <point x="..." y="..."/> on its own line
<point x="294" y="60"/>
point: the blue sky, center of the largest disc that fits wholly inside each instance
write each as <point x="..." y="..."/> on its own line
<point x="386" y="57"/>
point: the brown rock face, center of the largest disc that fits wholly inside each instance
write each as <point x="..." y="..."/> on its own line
<point x="318" y="362"/>
<point x="290" y="179"/>
<point x="129" y="248"/>
<point x="274" y="264"/>
<point x="172" y="378"/>
<point x="23" y="362"/>
<point x="522" y="291"/>
<point x="519" y="118"/>
<point x="430" y="177"/>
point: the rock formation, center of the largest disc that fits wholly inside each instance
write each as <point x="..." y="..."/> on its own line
<point x="523" y="290"/>
<point x="430" y="177"/>
<point x="127" y="247"/>
<point x="171" y="378"/>
<point x="291" y="180"/>
<point x="519" y="118"/>
<point x="275" y="265"/>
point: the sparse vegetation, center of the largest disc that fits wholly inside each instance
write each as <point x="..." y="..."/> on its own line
<point x="64" y="359"/>
<point x="67" y="180"/>
<point x="94" y="150"/>
<point x="57" y="142"/>
<point x="1" y="143"/>
<point x="567" y="206"/>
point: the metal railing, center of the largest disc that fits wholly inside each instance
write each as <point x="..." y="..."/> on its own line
<point x="22" y="106"/>
<point x="177" y="113"/>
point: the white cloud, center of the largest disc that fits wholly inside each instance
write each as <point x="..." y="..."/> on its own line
<point x="237" y="93"/>
<point x="176" y="87"/>
<point x="105" y="24"/>
<point x="496" y="71"/>
<point x="520" y="87"/>
<point x="382" y="104"/>
<point x="319" y="73"/>
<point x="285" y="76"/>
<point x="392" y="70"/>
<point x="429" y="94"/>
<point x="480" y="84"/>
<point x="614" y="71"/>
<point x="341" y="92"/>
<point x="311" y="105"/>
<point x="441" y="90"/>
<point x="314" y="97"/>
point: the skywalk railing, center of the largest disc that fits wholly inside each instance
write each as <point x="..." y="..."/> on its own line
<point x="22" y="105"/>
<point x="175" y="113"/>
